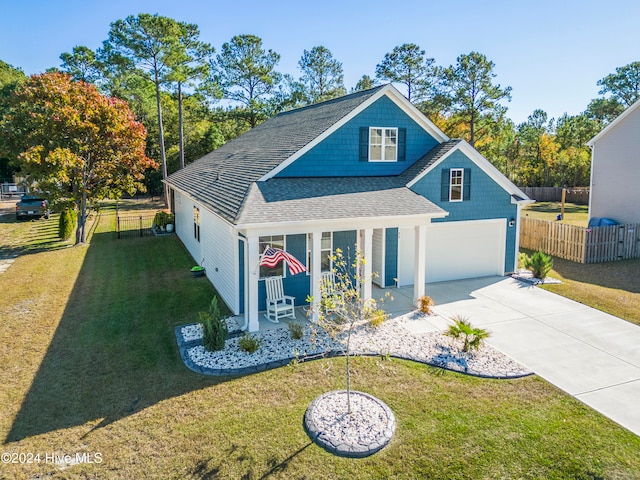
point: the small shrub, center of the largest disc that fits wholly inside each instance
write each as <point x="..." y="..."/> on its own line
<point x="248" y="344"/>
<point x="426" y="302"/>
<point x="377" y="318"/>
<point x="67" y="223"/>
<point x="472" y="337"/>
<point x="214" y="331"/>
<point x="295" y="330"/>
<point x="540" y="264"/>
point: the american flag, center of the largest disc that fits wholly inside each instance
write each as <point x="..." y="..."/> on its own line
<point x="272" y="256"/>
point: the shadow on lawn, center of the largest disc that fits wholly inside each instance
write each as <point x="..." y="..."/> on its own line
<point x="620" y="274"/>
<point x="114" y="352"/>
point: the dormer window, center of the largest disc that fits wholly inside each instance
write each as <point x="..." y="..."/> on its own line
<point x="382" y="144"/>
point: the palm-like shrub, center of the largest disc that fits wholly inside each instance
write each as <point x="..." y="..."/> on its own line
<point x="472" y="337"/>
<point x="539" y="263"/>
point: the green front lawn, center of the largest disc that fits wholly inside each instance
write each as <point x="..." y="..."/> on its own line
<point x="90" y="365"/>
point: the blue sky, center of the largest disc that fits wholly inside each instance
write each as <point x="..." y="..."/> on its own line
<point x="551" y="53"/>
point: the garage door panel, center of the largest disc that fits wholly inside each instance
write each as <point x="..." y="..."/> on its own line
<point x="457" y="250"/>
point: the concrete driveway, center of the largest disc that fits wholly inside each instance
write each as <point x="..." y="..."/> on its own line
<point x="589" y="354"/>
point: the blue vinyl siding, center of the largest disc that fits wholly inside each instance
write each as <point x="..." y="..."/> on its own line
<point x="241" y="275"/>
<point x="338" y="155"/>
<point x="391" y="257"/>
<point x="297" y="286"/>
<point x="488" y="199"/>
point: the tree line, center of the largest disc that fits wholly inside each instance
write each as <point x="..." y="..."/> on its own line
<point x="192" y="98"/>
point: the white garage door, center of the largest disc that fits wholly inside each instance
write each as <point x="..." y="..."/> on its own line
<point x="457" y="250"/>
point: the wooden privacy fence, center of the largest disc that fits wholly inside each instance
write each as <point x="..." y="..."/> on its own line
<point x="580" y="244"/>
<point x="579" y="195"/>
<point x="134" y="226"/>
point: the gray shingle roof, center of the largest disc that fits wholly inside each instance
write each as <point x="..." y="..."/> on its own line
<point x="220" y="179"/>
<point x="303" y="199"/>
<point x="431" y="157"/>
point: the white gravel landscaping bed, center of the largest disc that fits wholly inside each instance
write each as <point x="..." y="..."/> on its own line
<point x="392" y="339"/>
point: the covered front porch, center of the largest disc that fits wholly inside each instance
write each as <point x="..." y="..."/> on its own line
<point x="379" y="268"/>
<point x="399" y="303"/>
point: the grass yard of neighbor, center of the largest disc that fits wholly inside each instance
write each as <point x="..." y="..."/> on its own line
<point x="613" y="287"/>
<point x="90" y="366"/>
<point x="574" y="214"/>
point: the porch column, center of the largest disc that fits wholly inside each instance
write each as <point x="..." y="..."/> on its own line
<point x="253" y="270"/>
<point x="367" y="251"/>
<point x="419" y="266"/>
<point x="316" y="272"/>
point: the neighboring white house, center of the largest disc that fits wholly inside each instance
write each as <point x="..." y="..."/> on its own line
<point x="615" y="169"/>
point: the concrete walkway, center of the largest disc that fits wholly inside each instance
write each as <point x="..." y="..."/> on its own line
<point x="589" y="354"/>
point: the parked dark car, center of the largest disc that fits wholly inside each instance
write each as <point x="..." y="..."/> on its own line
<point x="34" y="207"/>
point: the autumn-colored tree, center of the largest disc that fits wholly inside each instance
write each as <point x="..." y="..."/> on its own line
<point x="74" y="142"/>
<point x="537" y="150"/>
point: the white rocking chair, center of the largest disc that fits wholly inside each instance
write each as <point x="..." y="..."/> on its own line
<point x="278" y="304"/>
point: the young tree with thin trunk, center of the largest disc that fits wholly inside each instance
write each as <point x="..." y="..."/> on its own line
<point x="75" y="143"/>
<point x="342" y="309"/>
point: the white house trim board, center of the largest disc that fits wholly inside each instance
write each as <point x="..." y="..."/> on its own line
<point x="416" y="115"/>
<point x="388" y="90"/>
<point x="479" y="160"/>
<point x="613" y="124"/>
<point x="335" y="225"/>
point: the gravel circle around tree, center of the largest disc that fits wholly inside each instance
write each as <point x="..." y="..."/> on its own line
<point x="391" y="339"/>
<point x="367" y="429"/>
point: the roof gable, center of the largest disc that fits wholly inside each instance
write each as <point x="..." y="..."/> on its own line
<point x="438" y="154"/>
<point x="220" y="180"/>
<point x="387" y="90"/>
<point x="620" y="118"/>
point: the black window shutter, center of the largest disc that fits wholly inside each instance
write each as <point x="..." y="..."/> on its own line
<point x="402" y="144"/>
<point x="444" y="186"/>
<point x="466" y="195"/>
<point x="364" y="144"/>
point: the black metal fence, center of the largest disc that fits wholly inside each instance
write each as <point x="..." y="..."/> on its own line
<point x="134" y="226"/>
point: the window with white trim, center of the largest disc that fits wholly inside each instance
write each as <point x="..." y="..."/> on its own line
<point x="456" y="184"/>
<point x="275" y="241"/>
<point x="326" y="249"/>
<point x="196" y="223"/>
<point x="383" y="144"/>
